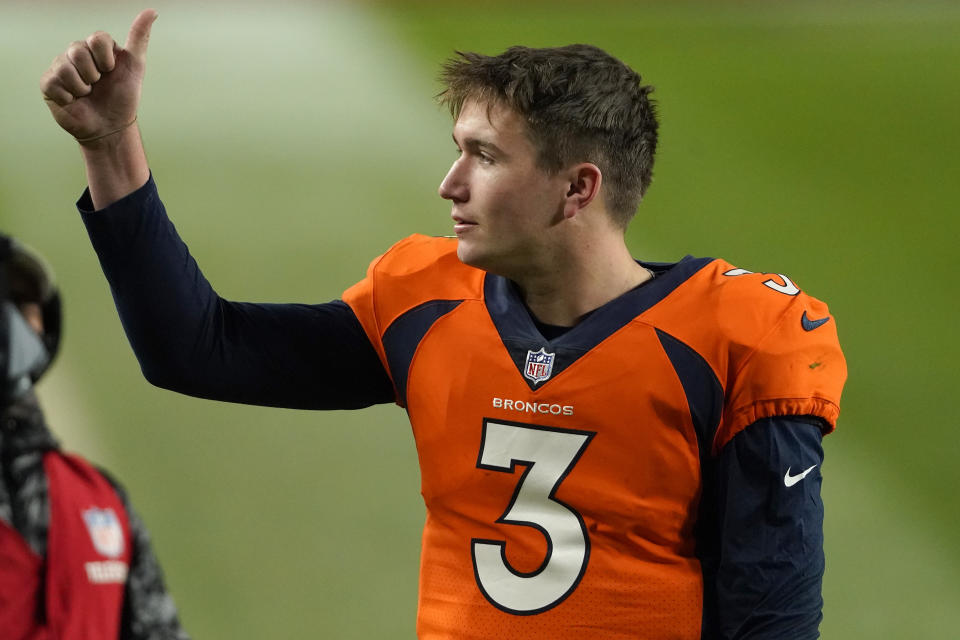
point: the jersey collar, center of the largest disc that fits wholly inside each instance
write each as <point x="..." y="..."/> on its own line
<point x="522" y="339"/>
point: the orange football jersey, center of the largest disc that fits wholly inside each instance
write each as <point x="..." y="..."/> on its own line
<point x="562" y="477"/>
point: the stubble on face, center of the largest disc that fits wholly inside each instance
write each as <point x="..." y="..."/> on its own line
<point x="504" y="205"/>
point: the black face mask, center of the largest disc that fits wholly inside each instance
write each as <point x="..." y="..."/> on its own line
<point x="23" y="355"/>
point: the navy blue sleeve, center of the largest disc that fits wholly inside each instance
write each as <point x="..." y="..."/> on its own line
<point x="770" y="521"/>
<point x="189" y="339"/>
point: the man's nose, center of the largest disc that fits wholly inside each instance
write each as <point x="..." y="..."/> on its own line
<point x="454" y="185"/>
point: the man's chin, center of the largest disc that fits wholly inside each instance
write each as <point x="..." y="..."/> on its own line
<point x="470" y="255"/>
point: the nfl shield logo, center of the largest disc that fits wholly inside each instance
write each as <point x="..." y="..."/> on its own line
<point x="105" y="531"/>
<point x="539" y="365"/>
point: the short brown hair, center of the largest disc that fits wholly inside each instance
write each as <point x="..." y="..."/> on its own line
<point x="580" y="104"/>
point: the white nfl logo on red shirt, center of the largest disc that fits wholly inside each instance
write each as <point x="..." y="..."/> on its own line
<point x="539" y="365"/>
<point x="105" y="531"/>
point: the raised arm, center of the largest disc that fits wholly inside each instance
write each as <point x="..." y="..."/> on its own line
<point x="93" y="91"/>
<point x="185" y="336"/>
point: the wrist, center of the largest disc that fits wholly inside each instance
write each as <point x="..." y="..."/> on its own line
<point x="116" y="165"/>
<point x="90" y="141"/>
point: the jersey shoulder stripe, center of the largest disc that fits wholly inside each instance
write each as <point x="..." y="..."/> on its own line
<point x="750" y="328"/>
<point x="416" y="270"/>
<point x="406" y="290"/>
<point x="702" y="388"/>
<point x="403" y="336"/>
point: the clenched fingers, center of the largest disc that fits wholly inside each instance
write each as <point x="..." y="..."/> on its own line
<point x="102" y="47"/>
<point x="73" y="73"/>
<point x="79" y="54"/>
<point x="52" y="90"/>
<point x="62" y="82"/>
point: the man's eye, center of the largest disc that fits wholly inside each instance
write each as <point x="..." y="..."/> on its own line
<point x="485" y="159"/>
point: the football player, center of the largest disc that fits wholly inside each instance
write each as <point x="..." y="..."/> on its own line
<point x="609" y="448"/>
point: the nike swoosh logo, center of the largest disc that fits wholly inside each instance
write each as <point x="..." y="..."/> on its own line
<point x="810" y="325"/>
<point x="789" y="480"/>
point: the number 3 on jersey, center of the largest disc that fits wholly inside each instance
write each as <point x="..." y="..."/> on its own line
<point x="548" y="454"/>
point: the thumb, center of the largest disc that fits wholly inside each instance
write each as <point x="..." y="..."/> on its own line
<point x="139" y="35"/>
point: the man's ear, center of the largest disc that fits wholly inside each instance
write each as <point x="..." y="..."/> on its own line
<point x="584" y="185"/>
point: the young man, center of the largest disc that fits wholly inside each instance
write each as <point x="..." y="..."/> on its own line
<point x="75" y="560"/>
<point x="608" y="448"/>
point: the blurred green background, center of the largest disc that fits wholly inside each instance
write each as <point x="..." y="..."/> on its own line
<point x="292" y="143"/>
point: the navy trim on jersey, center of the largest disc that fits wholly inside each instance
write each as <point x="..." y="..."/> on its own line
<point x="519" y="333"/>
<point x="705" y="401"/>
<point x="403" y="336"/>
<point x="702" y="388"/>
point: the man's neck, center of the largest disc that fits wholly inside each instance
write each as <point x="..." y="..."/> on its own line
<point x="562" y="296"/>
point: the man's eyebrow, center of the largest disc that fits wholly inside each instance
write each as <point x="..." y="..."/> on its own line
<point x="476" y="143"/>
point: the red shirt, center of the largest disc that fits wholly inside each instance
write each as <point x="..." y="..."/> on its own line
<point x="77" y="593"/>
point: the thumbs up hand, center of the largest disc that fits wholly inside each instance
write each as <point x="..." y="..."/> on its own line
<point x="93" y="88"/>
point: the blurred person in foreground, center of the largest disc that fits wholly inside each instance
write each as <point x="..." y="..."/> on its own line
<point x="75" y="560"/>
<point x="609" y="448"/>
